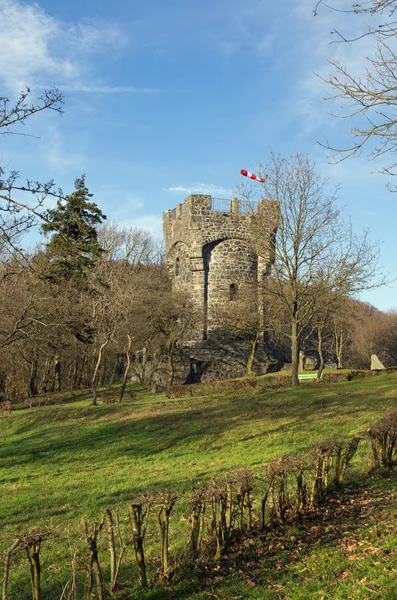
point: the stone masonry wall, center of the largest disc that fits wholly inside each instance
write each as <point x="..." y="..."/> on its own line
<point x="208" y="251"/>
<point x="231" y="265"/>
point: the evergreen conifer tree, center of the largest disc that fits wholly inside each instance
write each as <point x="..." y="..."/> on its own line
<point x="74" y="246"/>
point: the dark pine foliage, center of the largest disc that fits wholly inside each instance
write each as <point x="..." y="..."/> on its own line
<point x="73" y="247"/>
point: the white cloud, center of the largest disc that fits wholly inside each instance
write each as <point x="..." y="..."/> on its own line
<point x="35" y="46"/>
<point x="106" y="89"/>
<point x="354" y="172"/>
<point x="134" y="202"/>
<point x="150" y="222"/>
<point x="96" y="36"/>
<point x="25" y="35"/>
<point x="59" y="157"/>
<point x="118" y="202"/>
<point x="201" y="188"/>
<point x="246" y="27"/>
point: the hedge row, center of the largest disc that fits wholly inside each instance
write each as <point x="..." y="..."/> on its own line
<point x="214" y="513"/>
<point x="212" y="387"/>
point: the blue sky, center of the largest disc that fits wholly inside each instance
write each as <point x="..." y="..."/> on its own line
<point x="168" y="97"/>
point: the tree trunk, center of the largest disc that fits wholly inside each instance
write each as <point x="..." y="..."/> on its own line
<point x="144" y="363"/>
<point x="76" y="371"/>
<point x="171" y="346"/>
<point x="93" y="566"/>
<point x="251" y="357"/>
<point x="46" y="376"/>
<point x="301" y="361"/>
<point x="338" y="348"/>
<point x="33" y="553"/>
<point x="82" y="373"/>
<point x="95" y="374"/>
<point x="112" y="549"/>
<point x="320" y="351"/>
<point x="33" y="378"/>
<point x="127" y="368"/>
<point x="163" y="521"/>
<point x="192" y="550"/>
<point x="37" y="569"/>
<point x="140" y="559"/>
<point x="137" y="526"/>
<point x="57" y="375"/>
<point x="98" y="579"/>
<point x="294" y="354"/>
<point x="7" y="565"/>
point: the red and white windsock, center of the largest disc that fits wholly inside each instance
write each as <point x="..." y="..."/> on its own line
<point x="252" y="176"/>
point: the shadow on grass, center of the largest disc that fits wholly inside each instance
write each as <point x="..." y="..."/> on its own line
<point x="141" y="430"/>
<point x="76" y="437"/>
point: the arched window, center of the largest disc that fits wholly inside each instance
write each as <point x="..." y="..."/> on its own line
<point x="177" y="267"/>
<point x="232" y="292"/>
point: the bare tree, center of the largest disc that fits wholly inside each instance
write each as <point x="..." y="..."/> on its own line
<point x="368" y="100"/>
<point x="133" y="278"/>
<point x="105" y="316"/>
<point x="20" y="209"/>
<point x="386" y="338"/>
<point x="130" y="245"/>
<point x="315" y="253"/>
<point x="370" y="331"/>
<point x="51" y="327"/>
<point x="241" y="314"/>
<point x="342" y="326"/>
<point x="17" y="215"/>
<point x="321" y="323"/>
<point x="171" y="318"/>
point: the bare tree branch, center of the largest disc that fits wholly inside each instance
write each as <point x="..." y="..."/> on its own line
<point x="368" y="100"/>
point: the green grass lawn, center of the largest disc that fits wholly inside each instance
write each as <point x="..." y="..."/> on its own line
<point x="62" y="463"/>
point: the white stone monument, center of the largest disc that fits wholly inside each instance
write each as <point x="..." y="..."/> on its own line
<point x="376" y="364"/>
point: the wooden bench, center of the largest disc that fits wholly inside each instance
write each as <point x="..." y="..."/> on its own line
<point x="303" y="376"/>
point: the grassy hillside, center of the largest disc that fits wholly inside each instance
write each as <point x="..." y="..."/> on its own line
<point x="65" y="462"/>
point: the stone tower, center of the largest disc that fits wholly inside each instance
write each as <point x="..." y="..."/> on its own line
<point x="210" y="250"/>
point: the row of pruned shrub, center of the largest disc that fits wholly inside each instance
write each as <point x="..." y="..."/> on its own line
<point x="210" y="387"/>
<point x="383" y="438"/>
<point x="275" y="380"/>
<point x="219" y="510"/>
<point x="215" y="513"/>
